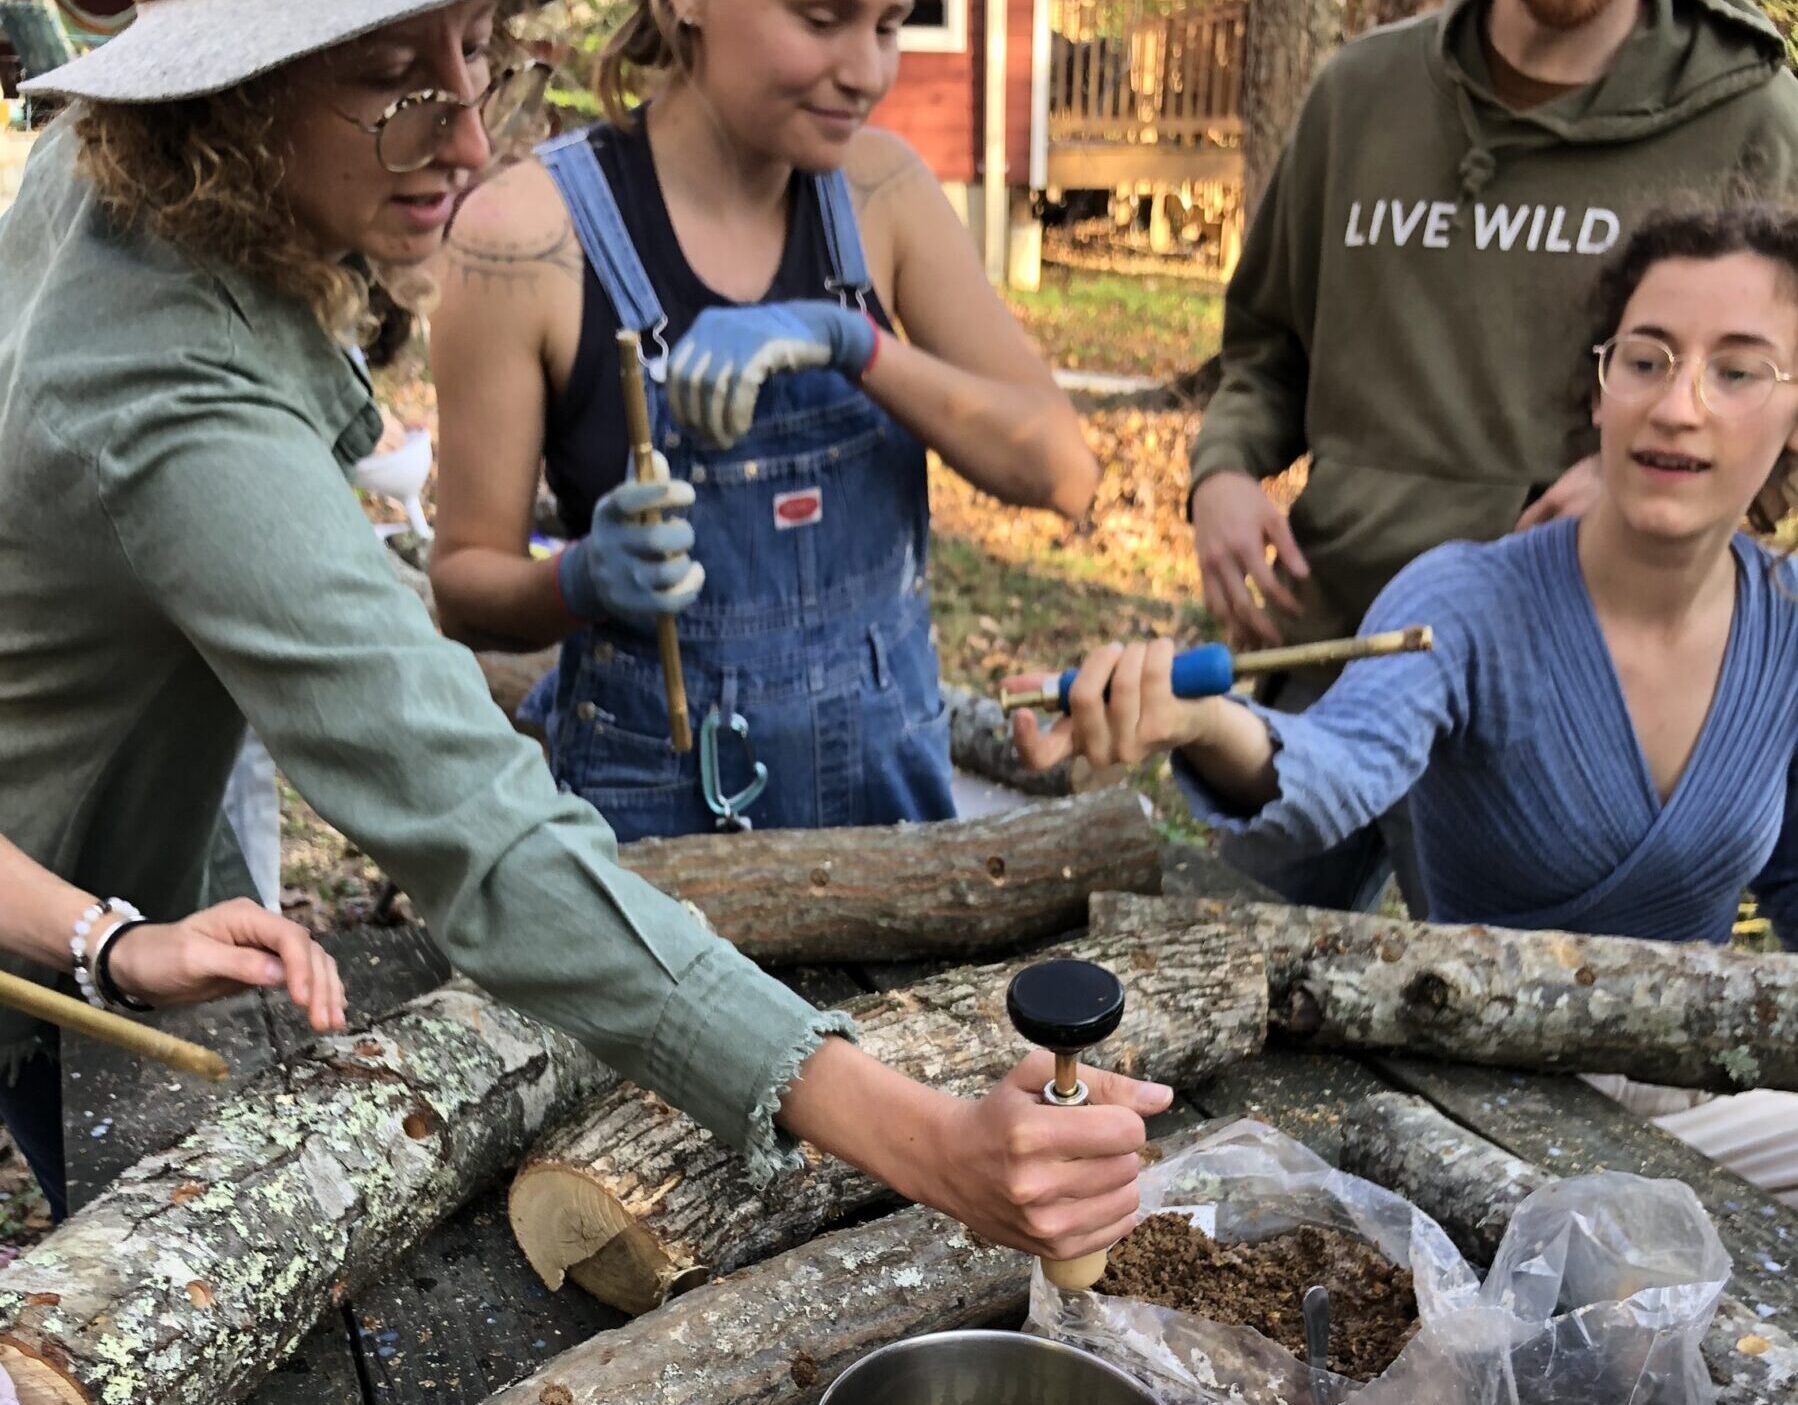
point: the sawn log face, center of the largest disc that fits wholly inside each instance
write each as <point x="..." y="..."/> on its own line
<point x="203" y="1265"/>
<point x="1472" y="1188"/>
<point x="1684" y="1013"/>
<point x="958" y="888"/>
<point x="649" y="1196"/>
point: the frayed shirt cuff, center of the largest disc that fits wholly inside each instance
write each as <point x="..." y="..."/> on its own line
<point x="752" y="1042"/>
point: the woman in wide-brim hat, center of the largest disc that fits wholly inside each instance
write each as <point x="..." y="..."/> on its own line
<point x="180" y="551"/>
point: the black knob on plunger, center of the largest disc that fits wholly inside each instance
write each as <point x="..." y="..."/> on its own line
<point x="1066" y="1007"/>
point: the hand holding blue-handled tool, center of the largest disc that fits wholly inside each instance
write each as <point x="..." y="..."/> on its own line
<point x="1211" y="669"/>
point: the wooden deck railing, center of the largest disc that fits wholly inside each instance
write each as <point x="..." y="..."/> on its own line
<point x="1155" y="71"/>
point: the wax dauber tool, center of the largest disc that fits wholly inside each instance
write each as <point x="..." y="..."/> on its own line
<point x="1066" y="1007"/>
<point x="1211" y="669"/>
<point x="636" y="419"/>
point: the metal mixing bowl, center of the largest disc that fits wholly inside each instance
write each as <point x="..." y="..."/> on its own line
<point x="983" y="1368"/>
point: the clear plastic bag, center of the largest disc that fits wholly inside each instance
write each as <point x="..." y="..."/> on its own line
<point x="1601" y="1290"/>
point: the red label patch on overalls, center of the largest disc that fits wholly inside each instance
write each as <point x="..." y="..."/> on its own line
<point x="798" y="509"/>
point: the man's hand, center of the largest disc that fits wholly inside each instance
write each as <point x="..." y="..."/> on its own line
<point x="1570" y="496"/>
<point x="224" y="949"/>
<point x="1233" y="522"/>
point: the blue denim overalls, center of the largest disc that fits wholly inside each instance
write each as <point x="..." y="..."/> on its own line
<point x="814" y="625"/>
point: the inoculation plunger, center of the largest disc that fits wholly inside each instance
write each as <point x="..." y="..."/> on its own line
<point x="1067" y="1007"/>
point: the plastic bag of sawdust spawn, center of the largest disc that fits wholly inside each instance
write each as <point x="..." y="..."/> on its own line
<point x="1600" y="1292"/>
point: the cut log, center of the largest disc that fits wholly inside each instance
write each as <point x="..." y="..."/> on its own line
<point x="980" y="742"/>
<point x="959" y="888"/>
<point x="779" y="1333"/>
<point x="203" y="1265"/>
<point x="1684" y="1013"/>
<point x="634" y="1201"/>
<point x="1472" y="1188"/>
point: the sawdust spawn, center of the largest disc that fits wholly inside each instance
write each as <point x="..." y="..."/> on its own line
<point x="554" y="1395"/>
<point x="1373" y="1310"/>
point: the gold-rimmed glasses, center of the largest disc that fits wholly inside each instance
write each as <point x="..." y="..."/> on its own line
<point x="410" y="133"/>
<point x="1732" y="381"/>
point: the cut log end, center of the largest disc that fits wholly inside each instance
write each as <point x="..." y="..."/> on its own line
<point x="36" y="1381"/>
<point x="570" y="1226"/>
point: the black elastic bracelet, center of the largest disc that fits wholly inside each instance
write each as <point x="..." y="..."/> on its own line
<point x="109" y="992"/>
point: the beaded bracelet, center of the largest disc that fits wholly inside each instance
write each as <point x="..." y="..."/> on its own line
<point x="86" y="955"/>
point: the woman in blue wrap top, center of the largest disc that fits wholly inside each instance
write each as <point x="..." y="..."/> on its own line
<point x="1602" y="739"/>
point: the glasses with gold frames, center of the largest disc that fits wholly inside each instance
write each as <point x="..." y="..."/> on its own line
<point x="411" y="132"/>
<point x="1732" y="382"/>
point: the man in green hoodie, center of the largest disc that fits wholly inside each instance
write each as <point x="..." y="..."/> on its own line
<point x="1408" y="305"/>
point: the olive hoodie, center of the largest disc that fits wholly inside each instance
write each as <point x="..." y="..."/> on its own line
<point x="1410" y="308"/>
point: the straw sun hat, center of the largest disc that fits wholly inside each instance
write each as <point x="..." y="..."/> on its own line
<point x="183" y="48"/>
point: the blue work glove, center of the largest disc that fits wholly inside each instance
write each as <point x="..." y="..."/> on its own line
<point x="719" y="367"/>
<point x="632" y="570"/>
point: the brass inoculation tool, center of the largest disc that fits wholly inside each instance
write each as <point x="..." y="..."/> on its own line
<point x="636" y="419"/>
<point x="140" y="1039"/>
<point x="1211" y="669"/>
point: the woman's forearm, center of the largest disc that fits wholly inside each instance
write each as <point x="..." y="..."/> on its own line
<point x="828" y="1106"/>
<point x="1021" y="442"/>
<point x="37" y="909"/>
<point x="1233" y="754"/>
<point x="489" y="599"/>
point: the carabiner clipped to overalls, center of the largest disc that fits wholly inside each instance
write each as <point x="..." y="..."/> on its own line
<point x="728" y="808"/>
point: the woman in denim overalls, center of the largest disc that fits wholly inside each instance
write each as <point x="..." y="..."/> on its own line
<point x="788" y="414"/>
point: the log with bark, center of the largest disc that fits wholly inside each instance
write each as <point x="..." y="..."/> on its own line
<point x="780" y="1332"/>
<point x="980" y="743"/>
<point x="634" y="1201"/>
<point x="958" y="888"/>
<point x="1472" y="1188"/>
<point x="203" y="1265"/>
<point x="1685" y="1013"/>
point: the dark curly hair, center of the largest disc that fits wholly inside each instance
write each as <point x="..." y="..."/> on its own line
<point x="1695" y="232"/>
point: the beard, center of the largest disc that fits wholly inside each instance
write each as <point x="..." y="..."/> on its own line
<point x="1564" y="14"/>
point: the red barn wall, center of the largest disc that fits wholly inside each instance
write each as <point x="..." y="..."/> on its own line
<point x="937" y="102"/>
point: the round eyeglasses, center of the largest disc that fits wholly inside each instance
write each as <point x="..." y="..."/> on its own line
<point x="410" y="133"/>
<point x="1731" y="382"/>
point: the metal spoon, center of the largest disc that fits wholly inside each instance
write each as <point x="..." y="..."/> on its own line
<point x="1316" y="1314"/>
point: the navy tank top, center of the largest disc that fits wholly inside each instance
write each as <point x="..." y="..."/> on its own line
<point x="585" y="446"/>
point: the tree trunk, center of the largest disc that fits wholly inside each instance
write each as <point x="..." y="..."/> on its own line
<point x="959" y="888"/>
<point x="1288" y="43"/>
<point x="779" y="1333"/>
<point x="634" y="1201"/>
<point x="1684" y="1013"/>
<point x="204" y="1265"/>
<point x="980" y="743"/>
<point x="1472" y="1188"/>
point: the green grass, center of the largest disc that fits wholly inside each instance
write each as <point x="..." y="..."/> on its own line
<point x="1127" y="325"/>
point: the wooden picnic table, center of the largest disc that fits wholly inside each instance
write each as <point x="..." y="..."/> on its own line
<point x="462" y="1314"/>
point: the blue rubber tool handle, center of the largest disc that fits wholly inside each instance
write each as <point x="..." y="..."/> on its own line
<point x="1203" y="672"/>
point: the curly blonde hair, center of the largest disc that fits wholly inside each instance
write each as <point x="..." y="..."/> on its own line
<point x="204" y="174"/>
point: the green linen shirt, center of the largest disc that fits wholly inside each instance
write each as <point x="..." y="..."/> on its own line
<point x="181" y="550"/>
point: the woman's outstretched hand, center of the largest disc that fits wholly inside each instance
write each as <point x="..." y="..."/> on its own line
<point x="1121" y="708"/>
<point x="233" y="946"/>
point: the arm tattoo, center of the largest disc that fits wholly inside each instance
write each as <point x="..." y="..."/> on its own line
<point x="500" y="264"/>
